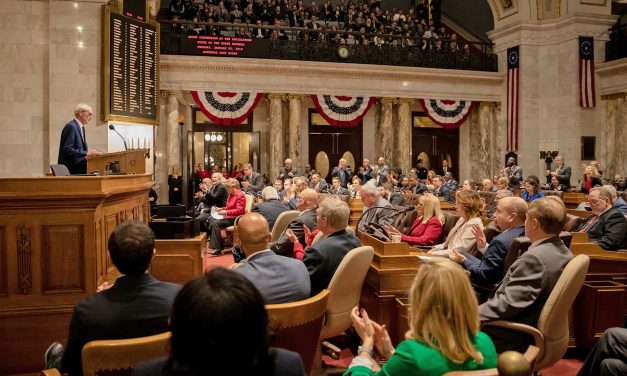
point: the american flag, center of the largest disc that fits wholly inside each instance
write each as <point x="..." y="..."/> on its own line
<point x="586" y="72"/>
<point x="513" y="58"/>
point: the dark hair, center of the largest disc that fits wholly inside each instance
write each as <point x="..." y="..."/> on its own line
<point x="534" y="181"/>
<point x="130" y="247"/>
<point x="219" y="327"/>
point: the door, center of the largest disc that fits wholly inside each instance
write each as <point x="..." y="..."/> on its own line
<point x="327" y="144"/>
<point x="433" y="145"/>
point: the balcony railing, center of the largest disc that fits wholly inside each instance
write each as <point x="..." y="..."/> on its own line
<point x="294" y="43"/>
<point x="616" y="47"/>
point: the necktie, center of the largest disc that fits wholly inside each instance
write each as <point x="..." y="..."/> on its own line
<point x="84" y="139"/>
<point x="590" y="223"/>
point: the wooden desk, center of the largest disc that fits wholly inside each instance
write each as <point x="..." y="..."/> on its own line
<point x="390" y="276"/>
<point x="53" y="252"/>
<point x="131" y="161"/>
<point x="573" y="199"/>
<point x="178" y="260"/>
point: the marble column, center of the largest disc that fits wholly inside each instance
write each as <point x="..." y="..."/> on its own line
<point x="294" y="146"/>
<point x="385" y="130"/>
<point x="616" y="136"/>
<point x="173" y="148"/>
<point x="275" y="133"/>
<point x="402" y="151"/>
<point x="482" y="127"/>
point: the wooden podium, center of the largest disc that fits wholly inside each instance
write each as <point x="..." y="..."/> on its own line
<point x="53" y="252"/>
<point x="131" y="161"/>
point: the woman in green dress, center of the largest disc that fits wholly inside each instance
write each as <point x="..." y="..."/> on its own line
<point x="443" y="333"/>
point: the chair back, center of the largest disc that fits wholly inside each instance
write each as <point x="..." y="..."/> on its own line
<point x="488" y="197"/>
<point x="572" y="222"/>
<point x="412" y="198"/>
<point x="567" y="238"/>
<point x="552" y="323"/>
<point x="345" y="290"/>
<point x="449" y="222"/>
<point x="249" y="202"/>
<point x="282" y="221"/>
<point x="297" y="325"/>
<point x="118" y="357"/>
<point x="59" y="170"/>
<point x="519" y="246"/>
<point x="404" y="221"/>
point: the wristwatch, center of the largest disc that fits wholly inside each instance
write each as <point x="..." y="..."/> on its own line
<point x="366" y="349"/>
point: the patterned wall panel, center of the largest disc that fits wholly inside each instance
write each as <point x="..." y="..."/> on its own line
<point x="62" y="251"/>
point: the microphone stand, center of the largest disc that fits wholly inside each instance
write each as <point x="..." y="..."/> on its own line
<point x="394" y="210"/>
<point x="111" y="127"/>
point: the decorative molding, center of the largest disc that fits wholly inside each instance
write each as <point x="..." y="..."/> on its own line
<point x="387" y="100"/>
<point x="608" y="97"/>
<point x="406" y="101"/>
<point x="299" y="97"/>
<point x="271" y="96"/>
<point x="598" y="3"/>
<point x="509" y="9"/>
<point x="167" y="93"/>
<point x="24" y="256"/>
<point x="612" y="68"/>
<point x="62" y="259"/>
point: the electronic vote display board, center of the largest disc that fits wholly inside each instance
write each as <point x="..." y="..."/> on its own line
<point x="130" y="61"/>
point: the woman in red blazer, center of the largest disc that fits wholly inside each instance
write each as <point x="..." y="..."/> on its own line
<point x="427" y="228"/>
<point x="235" y="206"/>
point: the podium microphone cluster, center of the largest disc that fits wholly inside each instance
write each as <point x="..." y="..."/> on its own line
<point x="111" y="127"/>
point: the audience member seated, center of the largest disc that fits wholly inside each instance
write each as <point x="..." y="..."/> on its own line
<point x="279" y="279"/>
<point x="318" y="184"/>
<point x="501" y="183"/>
<point x="427" y="228"/>
<point x="395" y="198"/>
<point x="608" y="356"/>
<point x="555" y="185"/>
<point x="621" y="186"/>
<point x="271" y="206"/>
<point x="219" y="326"/>
<point x="307" y="203"/>
<point x="449" y="182"/>
<point x="590" y="179"/>
<point x="376" y="208"/>
<point x="354" y="187"/>
<point x="289" y="191"/>
<point x="336" y="187"/>
<point x="469" y="207"/>
<point x="562" y="173"/>
<point x="432" y="345"/>
<point x="510" y="219"/>
<point x="441" y="190"/>
<point x="532" y="189"/>
<point x="300" y="183"/>
<point x="488" y="186"/>
<point x="469" y="185"/>
<point x="499" y="195"/>
<point x="235" y="206"/>
<point x="617" y="202"/>
<point x="324" y="256"/>
<point x="606" y="226"/>
<point x="136" y="305"/>
<point x="527" y="284"/>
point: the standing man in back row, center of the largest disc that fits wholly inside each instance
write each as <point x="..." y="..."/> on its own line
<point x="561" y="172"/>
<point x="73" y="146"/>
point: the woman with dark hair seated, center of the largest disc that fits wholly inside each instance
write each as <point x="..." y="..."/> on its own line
<point x="219" y="327"/>
<point x="532" y="189"/>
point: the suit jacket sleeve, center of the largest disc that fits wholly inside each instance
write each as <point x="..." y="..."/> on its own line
<point x="490" y="269"/>
<point x="257" y="183"/>
<point x="519" y="290"/>
<point x="613" y="233"/>
<point x="430" y="236"/>
<point x="71" y="362"/>
<point x="565" y="177"/>
<point x="315" y="264"/>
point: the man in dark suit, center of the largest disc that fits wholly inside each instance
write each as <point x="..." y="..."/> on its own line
<point x="271" y="206"/>
<point x="510" y="219"/>
<point x="376" y="208"/>
<point x="324" y="256"/>
<point x="317" y="184"/>
<point x="307" y="203"/>
<point x="136" y="305"/>
<point x="258" y="32"/>
<point x="342" y="172"/>
<point x="445" y="168"/>
<point x="73" y="146"/>
<point x="521" y="295"/>
<point x="562" y="173"/>
<point x="336" y="187"/>
<point x="440" y="190"/>
<point x="606" y="226"/>
<point x="289" y="171"/>
<point x="279" y="279"/>
<point x="365" y="171"/>
<point x="395" y="198"/>
<point x="253" y="181"/>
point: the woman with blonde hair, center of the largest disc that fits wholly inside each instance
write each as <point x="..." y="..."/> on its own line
<point x="469" y="207"/>
<point x="443" y="333"/>
<point x="427" y="227"/>
<point x="501" y="183"/>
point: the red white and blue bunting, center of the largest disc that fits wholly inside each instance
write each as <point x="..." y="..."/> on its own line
<point x="342" y="111"/>
<point x="447" y="113"/>
<point x="225" y="108"/>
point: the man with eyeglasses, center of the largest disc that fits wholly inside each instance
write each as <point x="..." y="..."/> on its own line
<point x="307" y="204"/>
<point x="606" y="226"/>
<point x="73" y="146"/>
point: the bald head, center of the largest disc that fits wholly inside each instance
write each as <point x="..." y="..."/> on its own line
<point x="309" y="199"/>
<point x="253" y="233"/>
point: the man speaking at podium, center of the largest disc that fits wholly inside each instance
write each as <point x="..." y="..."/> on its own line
<point x="73" y="145"/>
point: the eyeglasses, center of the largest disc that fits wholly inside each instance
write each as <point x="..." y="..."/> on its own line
<point x="595" y="201"/>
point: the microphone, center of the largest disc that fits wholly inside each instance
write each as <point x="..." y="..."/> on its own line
<point x="111" y="127"/>
<point x="392" y="209"/>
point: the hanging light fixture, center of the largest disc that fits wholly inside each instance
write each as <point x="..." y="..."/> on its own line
<point x="220" y="138"/>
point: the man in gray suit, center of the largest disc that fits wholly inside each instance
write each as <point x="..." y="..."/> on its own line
<point x="307" y="203"/>
<point x="288" y="171"/>
<point x="562" y="172"/>
<point x="514" y="173"/>
<point x="253" y="181"/>
<point x="279" y="279"/>
<point x="525" y="288"/>
<point x="271" y="207"/>
<point x="376" y="208"/>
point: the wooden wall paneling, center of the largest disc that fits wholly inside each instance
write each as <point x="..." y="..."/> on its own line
<point x="62" y="258"/>
<point x="599" y="305"/>
<point x="178" y="260"/>
<point x="3" y="262"/>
